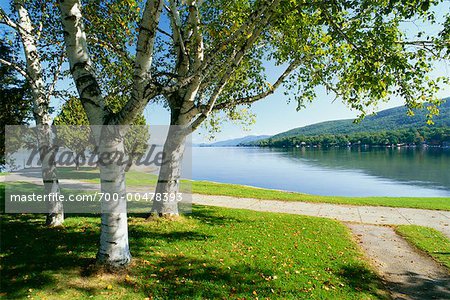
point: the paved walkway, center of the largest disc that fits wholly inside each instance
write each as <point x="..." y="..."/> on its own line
<point x="377" y="215"/>
<point x="408" y="274"/>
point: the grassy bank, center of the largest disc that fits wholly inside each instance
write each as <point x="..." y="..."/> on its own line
<point x="428" y="240"/>
<point x="212" y="188"/>
<point x="213" y="253"/>
<point x="140" y="180"/>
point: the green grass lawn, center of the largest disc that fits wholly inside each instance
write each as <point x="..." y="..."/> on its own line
<point x="212" y="253"/>
<point x="139" y="179"/>
<point x="428" y="240"/>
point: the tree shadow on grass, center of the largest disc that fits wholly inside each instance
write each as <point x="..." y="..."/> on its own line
<point x="360" y="278"/>
<point x="417" y="287"/>
<point x="32" y="254"/>
<point x="30" y="249"/>
<point x="174" y="236"/>
<point x="204" y="215"/>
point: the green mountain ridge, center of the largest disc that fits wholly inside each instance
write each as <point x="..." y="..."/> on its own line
<point x="386" y="120"/>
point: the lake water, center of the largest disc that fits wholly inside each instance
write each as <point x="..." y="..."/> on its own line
<point x="341" y="172"/>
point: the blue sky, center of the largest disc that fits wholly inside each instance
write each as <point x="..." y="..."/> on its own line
<point x="274" y="114"/>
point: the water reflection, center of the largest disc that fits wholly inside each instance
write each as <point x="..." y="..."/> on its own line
<point x="336" y="171"/>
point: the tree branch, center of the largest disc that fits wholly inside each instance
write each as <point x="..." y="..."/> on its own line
<point x="418" y="42"/>
<point x="17" y="68"/>
<point x="251" y="99"/>
<point x="213" y="66"/>
<point x="182" y="64"/>
<point x="233" y="62"/>
<point x="41" y="23"/>
<point x="251" y="21"/>
<point x="208" y="67"/>
<point x="194" y="22"/>
<point x="4" y="19"/>
<point x="143" y="87"/>
<point x="197" y="53"/>
<point x="165" y="33"/>
<point x="339" y="29"/>
<point x="146" y="38"/>
<point x="80" y="62"/>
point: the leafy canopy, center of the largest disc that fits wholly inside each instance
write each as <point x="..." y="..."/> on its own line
<point x="355" y="48"/>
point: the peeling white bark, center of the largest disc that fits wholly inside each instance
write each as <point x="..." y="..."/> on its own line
<point x="114" y="250"/>
<point x="80" y="63"/>
<point x="170" y="173"/>
<point x="41" y="103"/>
<point x="55" y="216"/>
<point x="142" y="91"/>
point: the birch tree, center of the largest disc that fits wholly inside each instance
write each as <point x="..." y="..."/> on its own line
<point x="202" y="57"/>
<point x="33" y="33"/>
<point x="114" y="248"/>
<point x="212" y="57"/>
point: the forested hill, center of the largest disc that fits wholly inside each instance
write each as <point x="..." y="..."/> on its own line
<point x="385" y="120"/>
<point x="391" y="126"/>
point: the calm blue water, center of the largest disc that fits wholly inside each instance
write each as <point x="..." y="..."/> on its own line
<point x="343" y="172"/>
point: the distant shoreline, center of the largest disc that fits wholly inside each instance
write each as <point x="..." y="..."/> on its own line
<point x="334" y="146"/>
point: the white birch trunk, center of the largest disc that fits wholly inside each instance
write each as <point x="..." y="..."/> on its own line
<point x="169" y="174"/>
<point x="41" y="103"/>
<point x="55" y="216"/>
<point x="114" y="250"/>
